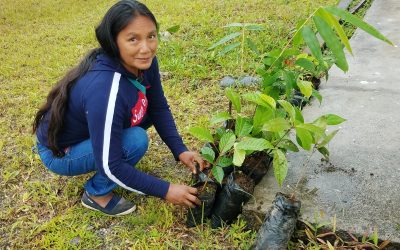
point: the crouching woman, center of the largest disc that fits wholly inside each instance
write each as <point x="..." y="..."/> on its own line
<point x="96" y="116"/>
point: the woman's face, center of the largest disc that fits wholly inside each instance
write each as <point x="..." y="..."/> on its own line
<point x="137" y="44"/>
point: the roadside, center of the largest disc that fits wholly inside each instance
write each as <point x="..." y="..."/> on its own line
<point x="360" y="184"/>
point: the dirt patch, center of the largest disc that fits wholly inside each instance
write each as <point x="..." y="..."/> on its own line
<point x="245" y="182"/>
<point x="328" y="167"/>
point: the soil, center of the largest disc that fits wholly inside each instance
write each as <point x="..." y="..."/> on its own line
<point x="326" y="166"/>
<point x="206" y="194"/>
<point x="230" y="124"/>
<point x="316" y="82"/>
<point x="256" y="166"/>
<point x="205" y="189"/>
<point x="245" y="182"/>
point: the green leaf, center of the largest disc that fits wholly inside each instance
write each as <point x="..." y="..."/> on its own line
<point x="202" y="134"/>
<point x="252" y="46"/>
<point x="268" y="99"/>
<point x="253" y="26"/>
<point x="289" y="145"/>
<point x="321" y="122"/>
<point x="287" y="53"/>
<point x="238" y="157"/>
<point x="312" y="128"/>
<point x="208" y="154"/>
<point x="280" y="166"/>
<point x="277" y="125"/>
<point x="327" y="139"/>
<point x="228" y="48"/>
<point x="312" y="42"/>
<point x="267" y="61"/>
<point x="324" y="151"/>
<point x="305" y="88"/>
<point x="346" y="16"/>
<point x="305" y="64"/>
<point x="218" y="173"/>
<point x="219" y="132"/>
<point x="333" y="22"/>
<point x="317" y="95"/>
<point x="243" y="127"/>
<point x="297" y="38"/>
<point x="173" y="29"/>
<point x="224" y="161"/>
<point x="304" y="138"/>
<point x="290" y="82"/>
<point x="234" y="98"/>
<point x="225" y="39"/>
<point x="299" y="115"/>
<point x="260" y="99"/>
<point x="332" y="41"/>
<point x="254" y="144"/>
<point x="332" y="119"/>
<point x="261" y="116"/>
<point x="289" y="109"/>
<point x="220" y="117"/>
<point x="226" y="142"/>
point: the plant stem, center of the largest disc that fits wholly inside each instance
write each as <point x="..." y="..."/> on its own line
<point x="303" y="173"/>
<point x="242" y="51"/>
<point x="290" y="41"/>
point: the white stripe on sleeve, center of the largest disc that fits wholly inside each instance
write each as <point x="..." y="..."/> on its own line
<point x="107" y="131"/>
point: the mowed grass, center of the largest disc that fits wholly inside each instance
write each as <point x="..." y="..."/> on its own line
<point x="40" y="40"/>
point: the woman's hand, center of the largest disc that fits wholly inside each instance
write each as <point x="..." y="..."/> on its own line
<point x="189" y="158"/>
<point x="182" y="195"/>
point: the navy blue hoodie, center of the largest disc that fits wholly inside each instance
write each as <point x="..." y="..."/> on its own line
<point x="104" y="102"/>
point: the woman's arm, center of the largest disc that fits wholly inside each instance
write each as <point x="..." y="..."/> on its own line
<point x="164" y="123"/>
<point x="160" y="112"/>
<point x="105" y="114"/>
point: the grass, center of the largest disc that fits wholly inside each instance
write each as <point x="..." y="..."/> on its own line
<point x="349" y="28"/>
<point x="41" y="40"/>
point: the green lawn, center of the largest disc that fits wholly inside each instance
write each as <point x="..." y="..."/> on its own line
<point x="40" y="40"/>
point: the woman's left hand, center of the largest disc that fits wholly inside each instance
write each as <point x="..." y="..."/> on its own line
<point x="189" y="158"/>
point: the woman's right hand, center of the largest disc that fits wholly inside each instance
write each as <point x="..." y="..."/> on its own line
<point x="182" y="195"/>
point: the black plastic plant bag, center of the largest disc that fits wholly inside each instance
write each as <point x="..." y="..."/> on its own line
<point x="228" y="204"/>
<point x="197" y="215"/>
<point x="279" y="224"/>
<point x="256" y="166"/>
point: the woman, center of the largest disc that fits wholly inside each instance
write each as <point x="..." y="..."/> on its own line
<point x="95" y="117"/>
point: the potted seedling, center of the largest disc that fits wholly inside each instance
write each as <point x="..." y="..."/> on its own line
<point x="264" y="133"/>
<point x="206" y="189"/>
<point x="297" y="71"/>
<point x="270" y="129"/>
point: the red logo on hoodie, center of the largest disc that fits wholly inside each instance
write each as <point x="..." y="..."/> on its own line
<point x="139" y="110"/>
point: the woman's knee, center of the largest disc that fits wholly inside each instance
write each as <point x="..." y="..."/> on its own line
<point x="135" y="142"/>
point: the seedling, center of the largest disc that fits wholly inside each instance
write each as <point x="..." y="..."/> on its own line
<point x="238" y="40"/>
<point x="275" y="118"/>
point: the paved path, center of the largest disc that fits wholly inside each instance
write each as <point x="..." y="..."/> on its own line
<point x="361" y="184"/>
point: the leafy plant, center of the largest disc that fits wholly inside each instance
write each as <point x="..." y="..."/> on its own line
<point x="238" y="40"/>
<point x="267" y="130"/>
<point x="291" y="69"/>
<point x="284" y="72"/>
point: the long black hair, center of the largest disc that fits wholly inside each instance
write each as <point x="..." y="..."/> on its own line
<point x="116" y="19"/>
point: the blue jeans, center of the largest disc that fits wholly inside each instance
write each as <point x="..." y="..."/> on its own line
<point x="79" y="159"/>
